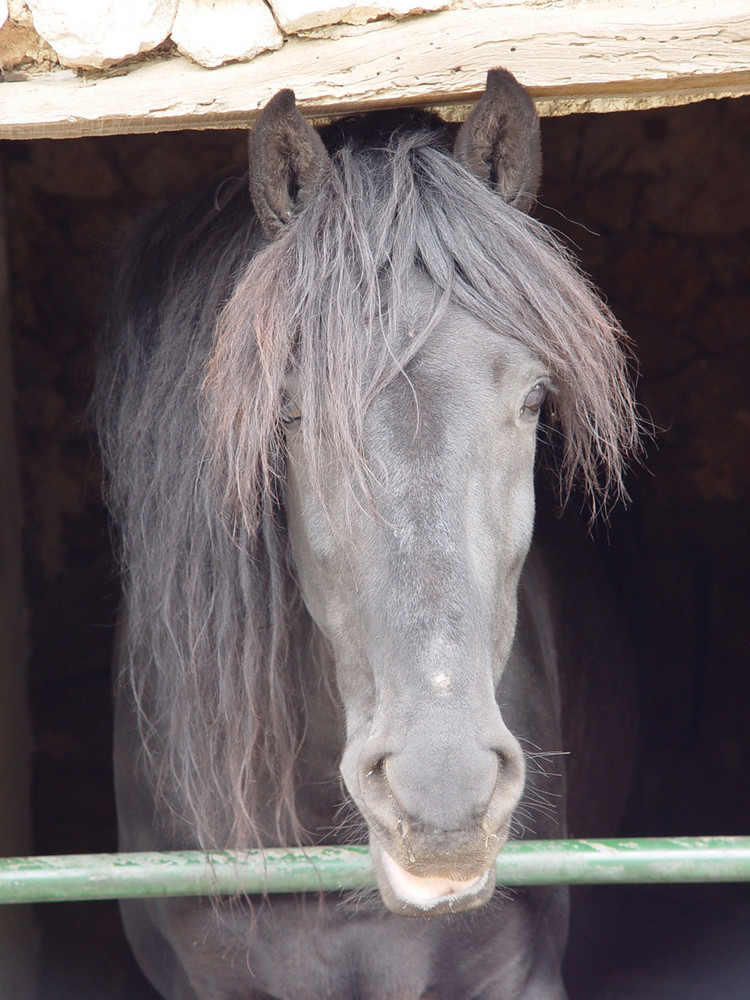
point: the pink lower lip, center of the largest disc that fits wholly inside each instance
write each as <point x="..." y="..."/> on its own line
<point x="423" y="891"/>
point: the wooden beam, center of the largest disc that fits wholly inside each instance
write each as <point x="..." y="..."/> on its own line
<point x="598" y="55"/>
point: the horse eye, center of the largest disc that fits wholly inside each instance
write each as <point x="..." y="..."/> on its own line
<point x="290" y="412"/>
<point x="535" y="399"/>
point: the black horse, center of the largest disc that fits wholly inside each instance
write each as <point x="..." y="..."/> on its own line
<point x="319" y="404"/>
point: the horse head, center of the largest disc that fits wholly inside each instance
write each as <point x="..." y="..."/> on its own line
<point x="412" y="574"/>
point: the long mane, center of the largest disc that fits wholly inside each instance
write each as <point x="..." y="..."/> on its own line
<point x="210" y="320"/>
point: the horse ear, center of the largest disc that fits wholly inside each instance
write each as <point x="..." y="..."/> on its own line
<point x="288" y="162"/>
<point x="500" y="143"/>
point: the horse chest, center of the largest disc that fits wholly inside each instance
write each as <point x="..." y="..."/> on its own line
<point x="311" y="950"/>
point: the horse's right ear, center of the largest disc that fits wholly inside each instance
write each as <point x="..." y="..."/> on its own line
<point x="288" y="162"/>
<point x="499" y="142"/>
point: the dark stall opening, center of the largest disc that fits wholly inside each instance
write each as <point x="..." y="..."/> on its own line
<point x="657" y="205"/>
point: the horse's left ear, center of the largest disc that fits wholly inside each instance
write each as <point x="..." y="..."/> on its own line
<point x="500" y="143"/>
<point x="288" y="162"/>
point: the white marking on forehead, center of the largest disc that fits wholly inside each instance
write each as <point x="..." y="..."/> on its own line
<point x="441" y="682"/>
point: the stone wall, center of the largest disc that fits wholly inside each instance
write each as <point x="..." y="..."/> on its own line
<point x="95" y="35"/>
<point x="661" y="203"/>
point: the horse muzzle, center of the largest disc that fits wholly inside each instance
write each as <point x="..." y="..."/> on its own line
<point x="437" y="819"/>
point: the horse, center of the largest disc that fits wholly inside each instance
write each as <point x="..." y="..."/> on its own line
<point x="319" y="396"/>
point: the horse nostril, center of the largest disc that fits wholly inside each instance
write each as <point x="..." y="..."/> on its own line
<point x="374" y="769"/>
<point x="511" y="774"/>
<point x="374" y="783"/>
<point x="509" y="760"/>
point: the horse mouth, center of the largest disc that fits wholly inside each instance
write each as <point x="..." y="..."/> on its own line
<point x="414" y="896"/>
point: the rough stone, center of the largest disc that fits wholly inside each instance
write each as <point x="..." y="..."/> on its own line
<point x="361" y="13"/>
<point x="18" y="11"/>
<point x="93" y="34"/>
<point x="341" y="30"/>
<point x="298" y="15"/>
<point x="213" y="32"/>
<point x="302" y="15"/>
<point x="20" y="45"/>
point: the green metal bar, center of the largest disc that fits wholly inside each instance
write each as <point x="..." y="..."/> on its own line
<point x="194" y="873"/>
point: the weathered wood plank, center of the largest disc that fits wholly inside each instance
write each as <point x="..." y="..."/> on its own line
<point x="574" y="55"/>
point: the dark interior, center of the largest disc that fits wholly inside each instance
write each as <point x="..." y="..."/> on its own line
<point x="657" y="207"/>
